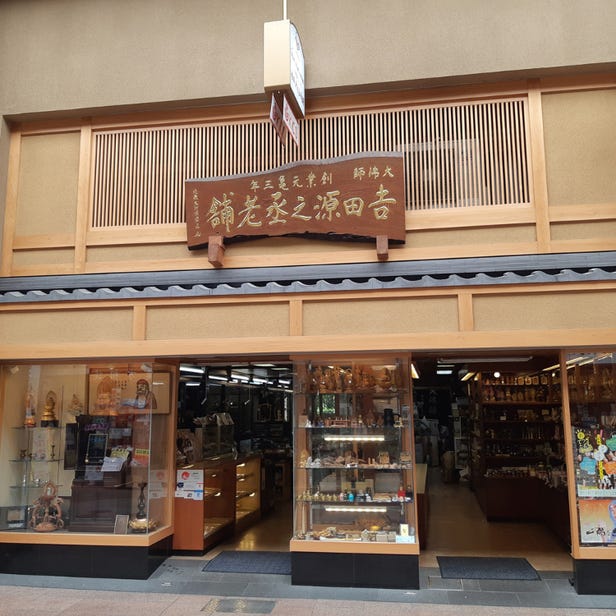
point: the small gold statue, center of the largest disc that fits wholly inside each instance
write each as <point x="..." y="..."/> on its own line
<point x="30" y="418"/>
<point x="76" y="406"/>
<point x="48" y="418"/>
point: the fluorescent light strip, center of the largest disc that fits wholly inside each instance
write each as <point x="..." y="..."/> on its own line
<point x="192" y="370"/>
<point x="484" y="360"/>
<point x="359" y="438"/>
<point x="358" y="508"/>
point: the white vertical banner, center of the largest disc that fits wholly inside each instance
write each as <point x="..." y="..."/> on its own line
<point x="277" y="120"/>
<point x="290" y="121"/>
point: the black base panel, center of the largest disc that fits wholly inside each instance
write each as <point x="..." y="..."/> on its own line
<point x="94" y="561"/>
<point x="594" y="577"/>
<point x="355" y="570"/>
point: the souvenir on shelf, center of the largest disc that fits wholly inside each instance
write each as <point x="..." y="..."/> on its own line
<point x="354" y="443"/>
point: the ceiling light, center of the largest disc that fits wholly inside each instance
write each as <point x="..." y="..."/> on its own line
<point x="484" y="360"/>
<point x="352" y="437"/>
<point x="445" y="372"/>
<point x="192" y="370"/>
<point x="357" y="508"/>
<point x="414" y="372"/>
<point x="468" y="376"/>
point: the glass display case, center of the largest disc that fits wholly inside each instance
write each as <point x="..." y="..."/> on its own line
<point x="354" y="475"/>
<point x="591" y="380"/>
<point x="85" y="448"/>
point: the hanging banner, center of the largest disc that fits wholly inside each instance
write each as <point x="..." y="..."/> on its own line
<point x="356" y="197"/>
<point x="277" y="120"/>
<point x="290" y="120"/>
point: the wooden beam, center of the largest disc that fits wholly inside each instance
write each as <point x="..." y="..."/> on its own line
<point x="83" y="198"/>
<point x="538" y="166"/>
<point x="216" y="250"/>
<point x="382" y="247"/>
<point x="10" y="212"/>
<point x="466" y="320"/>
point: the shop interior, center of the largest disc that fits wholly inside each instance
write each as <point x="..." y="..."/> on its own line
<point x="488" y="429"/>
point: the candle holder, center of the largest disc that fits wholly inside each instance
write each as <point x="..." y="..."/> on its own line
<point x="140" y="523"/>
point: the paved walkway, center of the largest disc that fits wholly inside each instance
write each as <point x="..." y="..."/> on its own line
<point x="180" y="587"/>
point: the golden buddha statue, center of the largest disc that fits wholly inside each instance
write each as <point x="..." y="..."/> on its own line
<point x="48" y="418"/>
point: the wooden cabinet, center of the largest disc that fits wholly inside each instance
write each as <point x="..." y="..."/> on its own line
<point x="230" y="502"/>
<point x="516" y="426"/>
<point x="517" y="443"/>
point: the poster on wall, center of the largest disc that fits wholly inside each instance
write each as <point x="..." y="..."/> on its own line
<point x="597" y="521"/>
<point x="594" y="450"/>
<point x="111" y="393"/>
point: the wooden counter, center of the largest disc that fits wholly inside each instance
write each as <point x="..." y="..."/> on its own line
<point x="231" y="501"/>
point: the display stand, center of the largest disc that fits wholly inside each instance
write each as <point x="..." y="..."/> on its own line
<point x="355" y="507"/>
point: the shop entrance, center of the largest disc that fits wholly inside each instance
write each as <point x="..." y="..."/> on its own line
<point x="488" y="429"/>
<point x="488" y="432"/>
<point x="234" y="430"/>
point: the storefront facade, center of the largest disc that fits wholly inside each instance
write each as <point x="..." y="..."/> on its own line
<point x="510" y="223"/>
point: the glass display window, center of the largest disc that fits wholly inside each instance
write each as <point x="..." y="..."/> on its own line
<point x="591" y="385"/>
<point x="354" y="462"/>
<point x="86" y="448"/>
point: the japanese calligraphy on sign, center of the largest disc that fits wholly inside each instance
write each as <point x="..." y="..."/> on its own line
<point x="354" y="197"/>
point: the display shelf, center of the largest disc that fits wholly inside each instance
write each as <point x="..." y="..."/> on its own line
<point x="353" y="443"/>
<point x="516" y="421"/>
<point x="23" y="461"/>
<point x="247" y="491"/>
<point x="516" y="434"/>
<point x="34" y="461"/>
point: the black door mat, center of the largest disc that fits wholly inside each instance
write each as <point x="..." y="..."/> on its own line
<point x="250" y="562"/>
<point x="486" y="568"/>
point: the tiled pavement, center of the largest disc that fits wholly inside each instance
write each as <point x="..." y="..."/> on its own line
<point x="179" y="586"/>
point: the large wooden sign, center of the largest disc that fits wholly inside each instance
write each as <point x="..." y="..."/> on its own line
<point x="354" y="197"/>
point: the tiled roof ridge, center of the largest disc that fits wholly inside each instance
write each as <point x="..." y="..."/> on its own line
<point x="481" y="271"/>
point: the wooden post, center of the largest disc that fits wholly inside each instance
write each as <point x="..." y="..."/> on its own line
<point x="216" y="250"/>
<point x="382" y="247"/>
